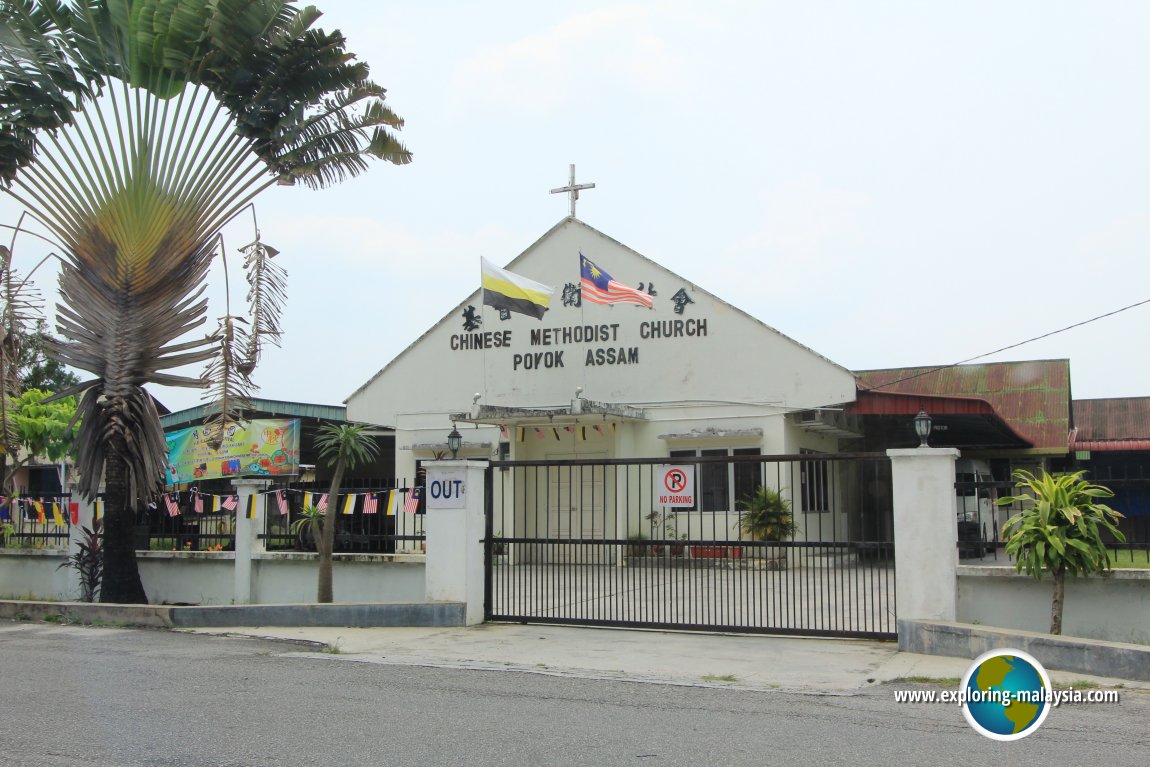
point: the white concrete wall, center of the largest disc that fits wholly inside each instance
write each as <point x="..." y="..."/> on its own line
<point x="291" y="578"/>
<point x="1115" y="608"/>
<point x="207" y="578"/>
<point x="35" y="574"/>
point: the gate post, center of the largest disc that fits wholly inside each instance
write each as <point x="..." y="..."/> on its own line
<point x="247" y="538"/>
<point x="455" y="530"/>
<point x="925" y="533"/>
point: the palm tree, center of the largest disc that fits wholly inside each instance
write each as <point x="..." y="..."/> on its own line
<point x="345" y="446"/>
<point x="1060" y="530"/>
<point x="133" y="131"/>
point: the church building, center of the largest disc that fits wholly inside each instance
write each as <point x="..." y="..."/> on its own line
<point x="633" y="362"/>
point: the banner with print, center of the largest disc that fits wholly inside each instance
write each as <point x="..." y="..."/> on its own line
<point x="260" y="448"/>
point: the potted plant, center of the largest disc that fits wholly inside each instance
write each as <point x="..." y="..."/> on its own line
<point x="766" y="516"/>
<point x="636" y="546"/>
<point x="666" y="520"/>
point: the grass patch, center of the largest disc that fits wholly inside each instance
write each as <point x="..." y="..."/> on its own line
<point x="941" y="681"/>
<point x="724" y="678"/>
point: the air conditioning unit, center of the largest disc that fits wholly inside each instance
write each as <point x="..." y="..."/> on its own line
<point x="833" y="423"/>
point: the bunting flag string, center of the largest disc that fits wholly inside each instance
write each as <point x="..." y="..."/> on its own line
<point x="349" y="504"/>
<point x="253" y="503"/>
<point x="230" y="502"/>
<point x="392" y="500"/>
<point x="322" y="505"/>
<point x="57" y="517"/>
<point x="97" y="511"/>
<point x="281" y="502"/>
<point x="370" y="503"/>
<point x="172" y="504"/>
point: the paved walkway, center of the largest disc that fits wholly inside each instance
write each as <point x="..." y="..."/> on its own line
<point x="725" y="660"/>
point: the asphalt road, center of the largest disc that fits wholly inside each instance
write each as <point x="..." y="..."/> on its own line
<point x="103" y="697"/>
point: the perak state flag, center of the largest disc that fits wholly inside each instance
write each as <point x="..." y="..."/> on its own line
<point x="515" y="293"/>
<point x="598" y="287"/>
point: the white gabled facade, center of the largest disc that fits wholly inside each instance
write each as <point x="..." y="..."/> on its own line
<point x="612" y="381"/>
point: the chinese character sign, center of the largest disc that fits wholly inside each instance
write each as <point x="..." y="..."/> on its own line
<point x="260" y="448"/>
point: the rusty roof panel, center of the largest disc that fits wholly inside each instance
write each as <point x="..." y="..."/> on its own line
<point x="1119" y="418"/>
<point x="1032" y="396"/>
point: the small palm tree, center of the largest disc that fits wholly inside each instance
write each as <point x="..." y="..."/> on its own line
<point x="1059" y="529"/>
<point x="133" y="131"/>
<point x="343" y="446"/>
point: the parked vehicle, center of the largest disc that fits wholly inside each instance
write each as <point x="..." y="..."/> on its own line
<point x="974" y="506"/>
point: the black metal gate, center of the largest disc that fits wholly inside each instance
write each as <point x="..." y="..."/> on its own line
<point x="590" y="542"/>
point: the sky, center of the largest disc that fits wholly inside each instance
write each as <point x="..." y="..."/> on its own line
<point x="887" y="183"/>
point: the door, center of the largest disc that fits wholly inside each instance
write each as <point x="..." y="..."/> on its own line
<point x="576" y="512"/>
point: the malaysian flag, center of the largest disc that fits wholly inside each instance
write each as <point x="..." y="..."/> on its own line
<point x="230" y="503"/>
<point x="370" y="504"/>
<point x="322" y="505"/>
<point x="598" y="287"/>
<point x="198" y="502"/>
<point x="172" y="506"/>
<point x="412" y="503"/>
<point x="281" y="503"/>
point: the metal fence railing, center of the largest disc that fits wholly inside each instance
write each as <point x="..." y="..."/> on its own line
<point x="980" y="519"/>
<point x="42" y="521"/>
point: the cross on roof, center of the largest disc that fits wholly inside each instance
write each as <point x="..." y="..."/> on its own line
<point x="572" y="189"/>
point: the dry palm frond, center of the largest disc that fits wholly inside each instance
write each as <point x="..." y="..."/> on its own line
<point x="20" y="308"/>
<point x="267" y="294"/>
<point x="229" y="388"/>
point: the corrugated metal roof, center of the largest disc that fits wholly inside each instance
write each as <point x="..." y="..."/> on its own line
<point x="266" y="408"/>
<point x="1119" y="418"/>
<point x="1033" y="397"/>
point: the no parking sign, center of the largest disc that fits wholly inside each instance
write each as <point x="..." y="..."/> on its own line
<point x="675" y="486"/>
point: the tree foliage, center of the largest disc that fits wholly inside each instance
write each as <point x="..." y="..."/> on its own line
<point x="133" y="131"/>
<point x="1060" y="530"/>
<point x="344" y="446"/>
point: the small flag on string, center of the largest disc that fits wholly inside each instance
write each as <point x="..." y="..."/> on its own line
<point x="392" y="502"/>
<point x="230" y="503"/>
<point x="57" y="517"/>
<point x="281" y="503"/>
<point x="322" y="505"/>
<point x="349" y="504"/>
<point x="5" y="509"/>
<point x="253" y="504"/>
<point x="215" y="503"/>
<point x="582" y="430"/>
<point x="598" y="428"/>
<point x="198" y="502"/>
<point x="74" y="512"/>
<point x="39" y="507"/>
<point x="538" y="434"/>
<point x="412" y="504"/>
<point x="503" y="432"/>
<point x="172" y="506"/>
<point x="521" y="434"/>
<point x="97" y="511"/>
<point x="556" y="433"/>
<point x="370" y="504"/>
